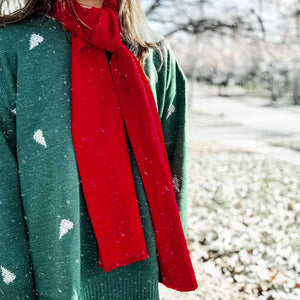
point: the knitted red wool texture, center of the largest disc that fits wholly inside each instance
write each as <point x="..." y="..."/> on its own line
<point x="108" y="101"/>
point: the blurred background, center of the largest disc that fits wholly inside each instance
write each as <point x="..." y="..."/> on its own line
<point x="242" y="64"/>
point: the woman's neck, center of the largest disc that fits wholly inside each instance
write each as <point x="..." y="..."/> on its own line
<point x="90" y="3"/>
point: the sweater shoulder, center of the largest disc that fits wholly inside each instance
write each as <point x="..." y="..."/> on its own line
<point x="163" y="58"/>
<point x="160" y="55"/>
<point x="164" y="61"/>
<point x="15" y="36"/>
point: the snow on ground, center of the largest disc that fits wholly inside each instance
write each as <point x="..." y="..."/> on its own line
<point x="244" y="203"/>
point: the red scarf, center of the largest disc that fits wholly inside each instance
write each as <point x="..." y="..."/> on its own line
<point x="109" y="101"/>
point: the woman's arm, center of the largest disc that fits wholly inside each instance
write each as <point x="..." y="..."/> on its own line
<point x="16" y="280"/>
<point x="174" y="125"/>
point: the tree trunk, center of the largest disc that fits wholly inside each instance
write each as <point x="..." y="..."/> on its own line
<point x="296" y="95"/>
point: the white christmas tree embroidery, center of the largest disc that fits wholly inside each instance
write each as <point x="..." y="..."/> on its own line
<point x="38" y="136"/>
<point x="7" y="275"/>
<point x="35" y="40"/>
<point x="176" y="183"/>
<point x="170" y="110"/>
<point x="14" y="111"/>
<point x="65" y="226"/>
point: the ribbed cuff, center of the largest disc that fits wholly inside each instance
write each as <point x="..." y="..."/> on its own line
<point x="18" y="295"/>
<point x="129" y="286"/>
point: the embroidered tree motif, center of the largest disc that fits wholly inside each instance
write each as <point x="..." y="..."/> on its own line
<point x="7" y="275"/>
<point x="35" y="40"/>
<point x="65" y="226"/>
<point x="14" y="111"/>
<point x="170" y="110"/>
<point x="176" y="183"/>
<point x="38" y="136"/>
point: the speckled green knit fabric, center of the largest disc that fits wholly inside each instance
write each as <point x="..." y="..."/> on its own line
<point x="48" y="247"/>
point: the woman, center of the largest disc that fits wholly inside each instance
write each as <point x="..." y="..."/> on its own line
<point x="93" y="155"/>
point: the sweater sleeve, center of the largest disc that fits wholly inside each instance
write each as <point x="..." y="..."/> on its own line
<point x="16" y="280"/>
<point x="174" y="125"/>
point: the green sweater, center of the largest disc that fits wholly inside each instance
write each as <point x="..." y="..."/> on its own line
<point x="48" y="247"/>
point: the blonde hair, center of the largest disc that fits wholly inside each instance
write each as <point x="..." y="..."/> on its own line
<point x="133" y="24"/>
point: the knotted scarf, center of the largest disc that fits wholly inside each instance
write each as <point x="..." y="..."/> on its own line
<point x="111" y="102"/>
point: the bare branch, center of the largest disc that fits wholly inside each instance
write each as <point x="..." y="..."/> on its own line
<point x="153" y="7"/>
<point x="203" y="25"/>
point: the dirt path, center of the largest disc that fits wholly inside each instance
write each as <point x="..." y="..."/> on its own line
<point x="246" y="124"/>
